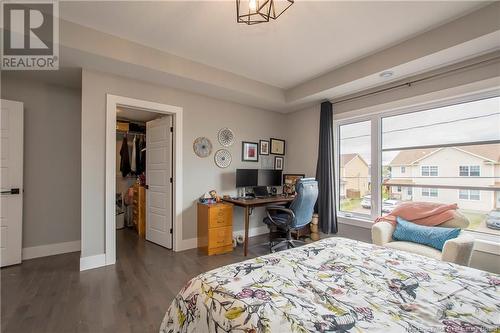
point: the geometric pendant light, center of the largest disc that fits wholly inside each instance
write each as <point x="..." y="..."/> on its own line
<point x="254" y="11"/>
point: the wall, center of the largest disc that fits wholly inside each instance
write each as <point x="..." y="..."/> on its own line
<point x="302" y="135"/>
<point x="51" y="209"/>
<point x="202" y="116"/>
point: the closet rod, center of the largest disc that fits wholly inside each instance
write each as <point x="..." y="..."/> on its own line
<point x="131" y="133"/>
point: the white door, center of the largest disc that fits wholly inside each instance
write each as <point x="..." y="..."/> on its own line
<point x="159" y="181"/>
<point x="11" y="182"/>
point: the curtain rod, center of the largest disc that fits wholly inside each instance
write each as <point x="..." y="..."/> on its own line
<point x="411" y="82"/>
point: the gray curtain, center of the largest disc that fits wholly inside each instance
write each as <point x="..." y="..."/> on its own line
<point x="325" y="172"/>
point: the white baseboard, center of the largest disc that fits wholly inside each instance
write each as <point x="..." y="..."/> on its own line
<point x="187" y="244"/>
<point x="255" y="231"/>
<point x="50" y="249"/>
<point x="192" y="243"/>
<point x="90" y="262"/>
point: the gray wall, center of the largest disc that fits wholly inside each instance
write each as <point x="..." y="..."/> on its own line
<point x="51" y="209"/>
<point x="302" y="140"/>
<point x="202" y="116"/>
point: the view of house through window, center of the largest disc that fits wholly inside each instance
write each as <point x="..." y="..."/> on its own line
<point x="445" y="155"/>
<point x="354" y="168"/>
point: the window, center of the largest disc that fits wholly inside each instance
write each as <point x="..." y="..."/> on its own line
<point x="469" y="171"/>
<point x="464" y="171"/>
<point x="427" y="171"/>
<point x="354" y="165"/>
<point x="426" y="155"/>
<point x="469" y="195"/>
<point x="475" y="171"/>
<point x="430" y="192"/>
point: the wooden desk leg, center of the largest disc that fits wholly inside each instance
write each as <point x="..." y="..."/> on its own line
<point x="247" y="222"/>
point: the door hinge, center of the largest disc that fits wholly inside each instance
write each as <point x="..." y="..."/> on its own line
<point x="171" y="180"/>
<point x="171" y="129"/>
<point x="171" y="230"/>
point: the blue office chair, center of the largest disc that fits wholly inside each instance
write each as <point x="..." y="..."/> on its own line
<point x="295" y="217"/>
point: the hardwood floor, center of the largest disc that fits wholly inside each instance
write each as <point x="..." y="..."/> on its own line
<point x="51" y="295"/>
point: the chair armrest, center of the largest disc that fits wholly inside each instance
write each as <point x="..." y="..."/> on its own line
<point x="382" y="232"/>
<point x="281" y="209"/>
<point x="458" y="250"/>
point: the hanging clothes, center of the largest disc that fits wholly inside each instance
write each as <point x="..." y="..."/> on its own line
<point x="143" y="155"/>
<point x="124" y="158"/>
<point x="138" y="164"/>
<point x="133" y="165"/>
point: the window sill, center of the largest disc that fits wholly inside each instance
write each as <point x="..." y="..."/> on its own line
<point x="355" y="221"/>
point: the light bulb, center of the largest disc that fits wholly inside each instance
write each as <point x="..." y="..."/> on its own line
<point x="252" y="4"/>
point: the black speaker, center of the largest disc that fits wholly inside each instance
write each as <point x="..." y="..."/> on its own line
<point x="274" y="190"/>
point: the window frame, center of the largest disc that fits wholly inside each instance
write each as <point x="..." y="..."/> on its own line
<point x="469" y="196"/>
<point x="376" y="150"/>
<point x="469" y="170"/>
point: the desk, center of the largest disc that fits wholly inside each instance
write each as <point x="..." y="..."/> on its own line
<point x="249" y="204"/>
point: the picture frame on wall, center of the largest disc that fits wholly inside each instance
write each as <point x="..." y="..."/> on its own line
<point x="278" y="163"/>
<point x="289" y="182"/>
<point x="249" y="151"/>
<point x="277" y="146"/>
<point x="263" y="147"/>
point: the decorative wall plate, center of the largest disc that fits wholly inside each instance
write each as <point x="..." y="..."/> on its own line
<point x="202" y="147"/>
<point x="226" y="137"/>
<point x="222" y="158"/>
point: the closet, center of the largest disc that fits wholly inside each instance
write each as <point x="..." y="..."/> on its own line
<point x="131" y="175"/>
<point x="144" y="156"/>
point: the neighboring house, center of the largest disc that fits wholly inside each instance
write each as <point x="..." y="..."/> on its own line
<point x="354" y="175"/>
<point x="448" y="166"/>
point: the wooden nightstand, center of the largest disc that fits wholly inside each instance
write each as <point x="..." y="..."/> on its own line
<point x="215" y="228"/>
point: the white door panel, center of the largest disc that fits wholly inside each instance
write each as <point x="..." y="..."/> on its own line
<point x="158" y="174"/>
<point x="11" y="177"/>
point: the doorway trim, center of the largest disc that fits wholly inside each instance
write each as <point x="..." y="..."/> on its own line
<point x="112" y="102"/>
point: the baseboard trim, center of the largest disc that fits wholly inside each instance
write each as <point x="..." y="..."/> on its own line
<point x="192" y="243"/>
<point x="50" y="249"/>
<point x="187" y="244"/>
<point x="91" y="262"/>
<point x="255" y="231"/>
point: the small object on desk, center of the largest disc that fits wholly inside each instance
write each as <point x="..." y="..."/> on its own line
<point x="215" y="228"/>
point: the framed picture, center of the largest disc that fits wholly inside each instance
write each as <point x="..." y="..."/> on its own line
<point x="277" y="146"/>
<point x="264" y="147"/>
<point x="278" y="163"/>
<point x="289" y="181"/>
<point x="249" y="151"/>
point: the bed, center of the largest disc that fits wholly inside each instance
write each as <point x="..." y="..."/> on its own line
<point x="338" y="285"/>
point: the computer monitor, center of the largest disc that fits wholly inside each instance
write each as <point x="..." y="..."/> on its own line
<point x="246" y="177"/>
<point x="269" y="178"/>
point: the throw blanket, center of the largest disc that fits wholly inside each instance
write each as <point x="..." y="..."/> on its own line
<point x="338" y="285"/>
<point x="423" y="213"/>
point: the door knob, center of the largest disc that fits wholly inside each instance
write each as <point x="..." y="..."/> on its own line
<point x="11" y="191"/>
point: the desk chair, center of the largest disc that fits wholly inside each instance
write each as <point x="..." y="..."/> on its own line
<point x="295" y="217"/>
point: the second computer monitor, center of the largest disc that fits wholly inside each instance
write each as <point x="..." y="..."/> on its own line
<point x="269" y="177"/>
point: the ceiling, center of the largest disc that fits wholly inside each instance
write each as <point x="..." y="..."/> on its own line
<point x="310" y="39"/>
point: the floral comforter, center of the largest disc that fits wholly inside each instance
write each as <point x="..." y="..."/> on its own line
<point x="338" y="285"/>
